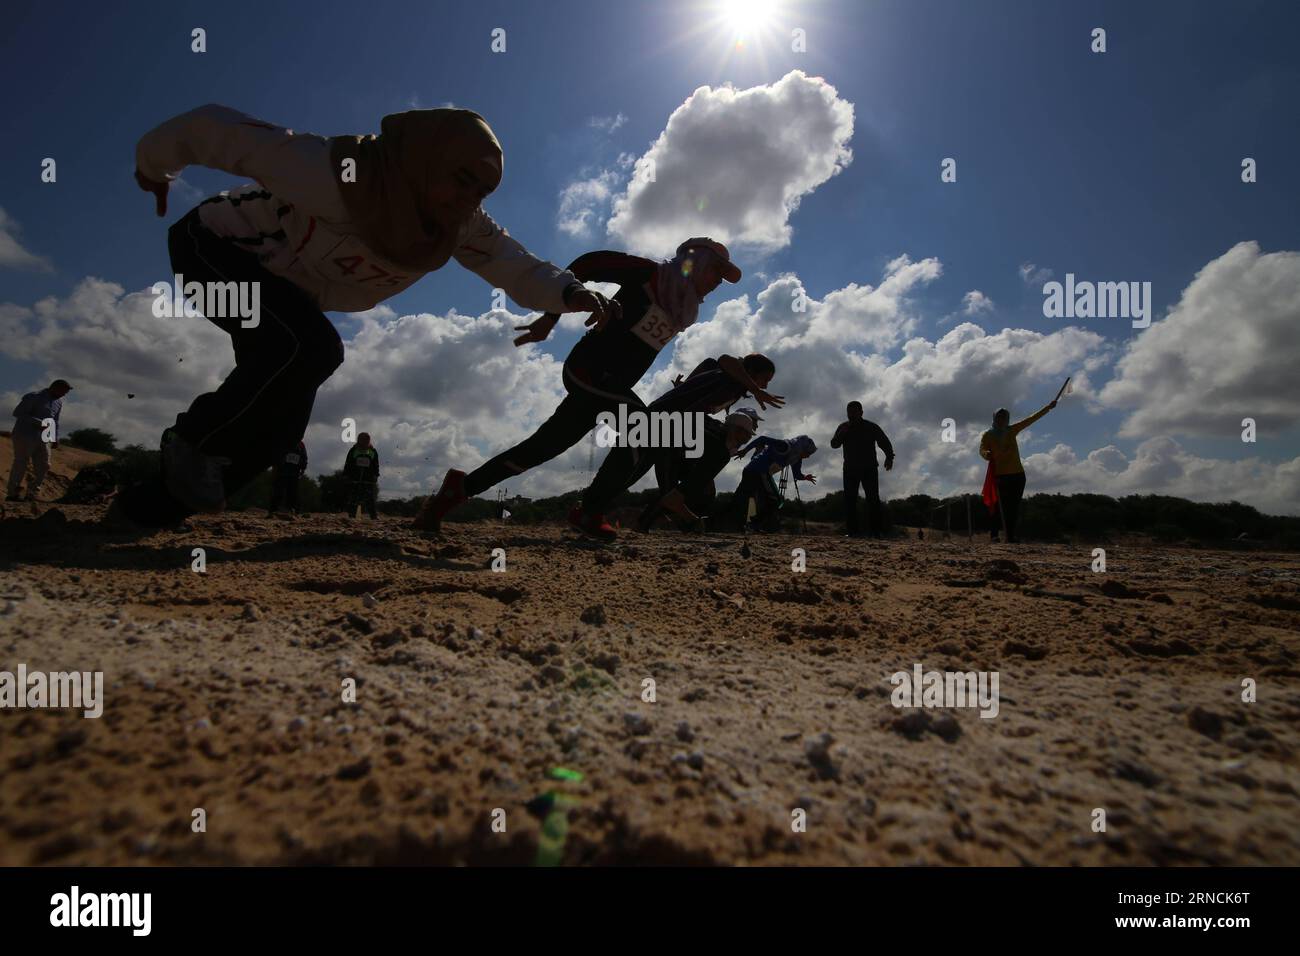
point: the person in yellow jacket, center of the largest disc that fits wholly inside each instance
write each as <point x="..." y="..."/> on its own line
<point x="998" y="447"/>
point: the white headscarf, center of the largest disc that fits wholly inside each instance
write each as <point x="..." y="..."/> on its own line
<point x="675" y="292"/>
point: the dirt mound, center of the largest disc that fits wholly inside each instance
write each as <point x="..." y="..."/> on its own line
<point x="65" y="463"/>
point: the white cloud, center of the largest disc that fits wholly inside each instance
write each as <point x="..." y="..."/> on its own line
<point x="974" y="302"/>
<point x="734" y="165"/>
<point x="584" y="204"/>
<point x="12" y="253"/>
<point x="1163" y="466"/>
<point x="1227" y="351"/>
<point x="607" y="124"/>
<point x="1033" y="275"/>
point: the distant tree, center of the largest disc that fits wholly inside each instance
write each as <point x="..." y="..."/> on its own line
<point x="92" y="439"/>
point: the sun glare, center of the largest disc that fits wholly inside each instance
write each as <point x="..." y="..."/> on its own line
<point x="747" y="17"/>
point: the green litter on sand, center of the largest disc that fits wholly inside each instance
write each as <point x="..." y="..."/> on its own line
<point x="555" y="827"/>
<point x="563" y="773"/>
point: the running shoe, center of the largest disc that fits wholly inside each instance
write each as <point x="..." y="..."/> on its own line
<point x="594" y="525"/>
<point x="435" y="507"/>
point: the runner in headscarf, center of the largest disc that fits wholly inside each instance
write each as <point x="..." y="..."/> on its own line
<point x="998" y="446"/>
<point x="773" y="456"/>
<point x="332" y="224"/>
<point x="659" y="300"/>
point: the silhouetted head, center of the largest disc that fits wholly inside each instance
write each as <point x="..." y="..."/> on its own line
<point x="855" y="411"/>
<point x="760" y="368"/>
<point x="59" y="388"/>
<point x="1001" y="418"/>
<point x="363" y="440"/>
<point x="707" y="262"/>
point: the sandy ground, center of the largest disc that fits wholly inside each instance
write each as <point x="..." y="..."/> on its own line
<point x="223" y="692"/>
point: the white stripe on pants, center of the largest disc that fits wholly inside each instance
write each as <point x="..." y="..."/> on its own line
<point x="28" y="449"/>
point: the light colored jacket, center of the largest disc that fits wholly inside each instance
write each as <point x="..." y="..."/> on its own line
<point x="295" y="221"/>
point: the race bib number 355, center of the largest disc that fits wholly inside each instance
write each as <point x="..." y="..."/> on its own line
<point x="655" y="328"/>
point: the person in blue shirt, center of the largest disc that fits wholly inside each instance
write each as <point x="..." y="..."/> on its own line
<point x="772" y="456"/>
<point x="30" y="416"/>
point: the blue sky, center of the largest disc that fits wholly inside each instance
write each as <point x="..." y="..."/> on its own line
<point x="1115" y="166"/>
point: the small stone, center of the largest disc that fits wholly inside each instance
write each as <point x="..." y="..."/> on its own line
<point x="595" y="615"/>
<point x="359" y="623"/>
<point x="354" y="771"/>
<point x="1205" y="722"/>
<point x="298" y="723"/>
<point x="695" y="760"/>
<point x="912" y="724"/>
<point x="252" y="612"/>
<point x="946" y="726"/>
<point x="636" y="724"/>
<point x="368" y="600"/>
<point x="684" y="732"/>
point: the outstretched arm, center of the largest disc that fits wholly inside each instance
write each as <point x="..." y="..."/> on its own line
<point x="294" y="166"/>
<point x="1022" y="425"/>
<point x="736" y="369"/>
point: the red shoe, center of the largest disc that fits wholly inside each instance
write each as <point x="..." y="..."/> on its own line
<point x="594" y="525"/>
<point x="435" y="507"/>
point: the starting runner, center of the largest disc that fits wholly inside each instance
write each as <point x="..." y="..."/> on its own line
<point x="689" y="482"/>
<point x="774" y="455"/>
<point x="713" y="385"/>
<point x="315" y="240"/>
<point x="659" y="300"/>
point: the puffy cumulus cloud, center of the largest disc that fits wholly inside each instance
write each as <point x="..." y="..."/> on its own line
<point x="1226" y="351"/>
<point x="12" y="253"/>
<point x="734" y="164"/>
<point x="1163" y="466"/>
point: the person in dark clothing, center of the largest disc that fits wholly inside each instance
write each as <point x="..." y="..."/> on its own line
<point x="713" y="385"/>
<point x="772" y="456"/>
<point x="686" y="485"/>
<point x="658" y="300"/>
<point x="859" y="438"/>
<point x="291" y="466"/>
<point x="361" y="471"/>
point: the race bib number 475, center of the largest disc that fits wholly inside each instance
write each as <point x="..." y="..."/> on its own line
<point x="655" y="328"/>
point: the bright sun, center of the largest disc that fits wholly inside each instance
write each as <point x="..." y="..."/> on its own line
<point x="747" y="16"/>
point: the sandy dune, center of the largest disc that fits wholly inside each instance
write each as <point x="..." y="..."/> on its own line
<point x="223" y="692"/>
<point x="65" y="462"/>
